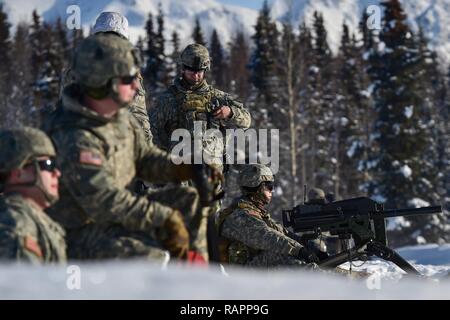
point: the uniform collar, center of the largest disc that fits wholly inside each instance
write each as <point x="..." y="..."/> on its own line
<point x="255" y="203"/>
<point x="71" y="102"/>
<point x="183" y="86"/>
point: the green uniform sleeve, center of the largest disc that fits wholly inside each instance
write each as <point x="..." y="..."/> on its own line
<point x="159" y="116"/>
<point x="95" y="190"/>
<point x="255" y="233"/>
<point x="138" y="109"/>
<point x="240" y="117"/>
<point x="13" y="243"/>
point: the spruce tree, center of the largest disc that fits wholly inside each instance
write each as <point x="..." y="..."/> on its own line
<point x="288" y="66"/>
<point x="321" y="133"/>
<point x="5" y="67"/>
<point x="21" y="99"/>
<point x="264" y="77"/>
<point x="237" y="74"/>
<point x="174" y="67"/>
<point x="197" y="33"/>
<point x="401" y="131"/>
<point x="306" y="75"/>
<point x="351" y="117"/>
<point x="150" y="73"/>
<point x="218" y="63"/>
<point x="163" y="78"/>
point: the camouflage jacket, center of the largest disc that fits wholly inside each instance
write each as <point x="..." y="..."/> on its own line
<point x="250" y="230"/>
<point x="27" y="233"/>
<point x="99" y="159"/>
<point x="179" y="107"/>
<point x="137" y="107"/>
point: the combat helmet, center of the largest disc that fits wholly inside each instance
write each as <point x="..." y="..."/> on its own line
<point x="316" y="196"/>
<point x="112" y="22"/>
<point x="19" y="146"/>
<point x="195" y="57"/>
<point x="254" y="174"/>
<point x="101" y="58"/>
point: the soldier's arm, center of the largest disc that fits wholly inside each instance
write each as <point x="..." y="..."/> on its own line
<point x="240" y="117"/>
<point x="155" y="165"/>
<point x="15" y="245"/>
<point x="242" y="226"/>
<point x="138" y="109"/>
<point x="158" y="117"/>
<point x="93" y="187"/>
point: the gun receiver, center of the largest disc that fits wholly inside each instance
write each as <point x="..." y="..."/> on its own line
<point x="362" y="219"/>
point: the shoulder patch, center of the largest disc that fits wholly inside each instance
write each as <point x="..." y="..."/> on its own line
<point x="254" y="214"/>
<point x="31" y="245"/>
<point x="90" y="157"/>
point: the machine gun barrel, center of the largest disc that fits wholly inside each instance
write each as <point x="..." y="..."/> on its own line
<point x="390" y="213"/>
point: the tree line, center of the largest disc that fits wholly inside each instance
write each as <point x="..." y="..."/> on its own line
<point x="372" y="119"/>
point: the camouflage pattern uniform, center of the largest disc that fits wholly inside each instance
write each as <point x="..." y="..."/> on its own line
<point x="114" y="22"/>
<point x="181" y="105"/>
<point x="99" y="158"/>
<point x="255" y="239"/>
<point x="26" y="233"/>
<point x="137" y="107"/>
<point x="250" y="237"/>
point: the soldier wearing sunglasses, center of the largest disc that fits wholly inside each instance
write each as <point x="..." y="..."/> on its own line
<point x="249" y="236"/>
<point x="29" y="181"/>
<point x="191" y="101"/>
<point x="117" y="24"/>
<point x="101" y="152"/>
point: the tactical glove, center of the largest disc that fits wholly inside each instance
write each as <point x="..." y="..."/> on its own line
<point x="307" y="256"/>
<point x="207" y="179"/>
<point x="177" y="241"/>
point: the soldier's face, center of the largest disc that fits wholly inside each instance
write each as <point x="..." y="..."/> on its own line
<point x="49" y="176"/>
<point x="267" y="194"/>
<point x="127" y="91"/>
<point x="28" y="181"/>
<point x="193" y="77"/>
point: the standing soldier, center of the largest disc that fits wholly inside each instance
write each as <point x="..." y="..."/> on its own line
<point x="116" y="23"/>
<point x="250" y="237"/>
<point x="191" y="100"/>
<point x="29" y="180"/>
<point x="100" y="152"/>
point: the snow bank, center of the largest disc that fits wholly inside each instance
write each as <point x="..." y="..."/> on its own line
<point x="144" y="280"/>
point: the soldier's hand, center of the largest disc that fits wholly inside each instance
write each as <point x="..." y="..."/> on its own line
<point x="224" y="112"/>
<point x="307" y="256"/>
<point x="207" y="179"/>
<point x="177" y="241"/>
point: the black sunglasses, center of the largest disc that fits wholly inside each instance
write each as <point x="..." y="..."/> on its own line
<point x="191" y="69"/>
<point x="47" y="165"/>
<point x="128" y="79"/>
<point x="269" y="185"/>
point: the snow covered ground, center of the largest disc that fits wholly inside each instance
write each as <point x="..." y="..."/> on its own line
<point x="143" y="280"/>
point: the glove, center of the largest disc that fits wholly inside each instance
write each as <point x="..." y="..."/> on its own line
<point x="177" y="241"/>
<point x="206" y="179"/>
<point x="195" y="258"/>
<point x="307" y="256"/>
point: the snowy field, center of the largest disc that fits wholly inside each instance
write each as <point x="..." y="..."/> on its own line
<point x="143" y="280"/>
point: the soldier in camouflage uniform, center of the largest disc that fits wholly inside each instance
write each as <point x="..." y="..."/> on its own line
<point x="100" y="152"/>
<point x="191" y="99"/>
<point x="250" y="237"/>
<point x="29" y="179"/>
<point x="116" y="23"/>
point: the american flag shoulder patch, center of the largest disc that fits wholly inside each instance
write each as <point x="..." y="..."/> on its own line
<point x="32" y="245"/>
<point x="90" y="157"/>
